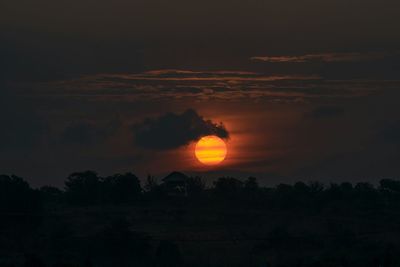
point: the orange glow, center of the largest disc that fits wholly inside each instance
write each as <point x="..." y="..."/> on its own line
<point x="210" y="150"/>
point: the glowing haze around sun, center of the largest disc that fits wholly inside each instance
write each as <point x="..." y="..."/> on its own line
<point x="210" y="150"/>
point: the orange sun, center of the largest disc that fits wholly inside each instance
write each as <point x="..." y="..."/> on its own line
<point x="210" y="150"/>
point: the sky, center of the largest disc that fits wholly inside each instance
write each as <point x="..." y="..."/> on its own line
<point x="299" y="90"/>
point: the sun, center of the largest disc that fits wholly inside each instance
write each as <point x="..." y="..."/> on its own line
<point x="210" y="150"/>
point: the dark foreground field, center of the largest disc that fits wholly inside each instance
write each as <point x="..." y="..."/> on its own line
<point x="113" y="222"/>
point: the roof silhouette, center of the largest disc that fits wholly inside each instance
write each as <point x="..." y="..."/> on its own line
<point x="175" y="177"/>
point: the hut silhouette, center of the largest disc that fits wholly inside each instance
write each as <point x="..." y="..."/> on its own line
<point x="175" y="184"/>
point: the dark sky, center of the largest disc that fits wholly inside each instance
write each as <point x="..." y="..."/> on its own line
<point x="300" y="89"/>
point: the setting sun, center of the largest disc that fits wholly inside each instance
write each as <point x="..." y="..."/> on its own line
<point x="210" y="150"/>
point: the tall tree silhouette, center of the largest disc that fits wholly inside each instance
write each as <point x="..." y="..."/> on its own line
<point x="121" y="188"/>
<point x="17" y="196"/>
<point x="195" y="185"/>
<point x="83" y="188"/>
<point x="390" y="185"/>
<point x="228" y="186"/>
<point x="251" y="184"/>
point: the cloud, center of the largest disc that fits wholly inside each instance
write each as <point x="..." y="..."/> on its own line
<point x="172" y="130"/>
<point x="323" y="57"/>
<point x="179" y="73"/>
<point x="185" y="85"/>
<point x="88" y="133"/>
<point x="325" y="112"/>
<point x="204" y="76"/>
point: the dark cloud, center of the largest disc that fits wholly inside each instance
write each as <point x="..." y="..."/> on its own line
<point x="88" y="133"/>
<point x="325" y="112"/>
<point x="171" y="130"/>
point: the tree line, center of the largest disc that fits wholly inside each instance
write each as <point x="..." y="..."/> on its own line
<point x="88" y="188"/>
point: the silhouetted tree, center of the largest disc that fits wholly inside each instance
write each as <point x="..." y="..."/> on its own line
<point x="284" y="188"/>
<point x="153" y="190"/>
<point x="390" y="185"/>
<point x="346" y="188"/>
<point x="83" y="188"/>
<point x="251" y="184"/>
<point x="151" y="183"/>
<point x="316" y="188"/>
<point x="121" y="188"/>
<point x="51" y="194"/>
<point x="228" y="186"/>
<point x="17" y="196"/>
<point x="366" y="196"/>
<point x="364" y="187"/>
<point x="195" y="185"/>
<point x="301" y="188"/>
<point x="302" y="195"/>
<point x="333" y="191"/>
<point x="284" y="196"/>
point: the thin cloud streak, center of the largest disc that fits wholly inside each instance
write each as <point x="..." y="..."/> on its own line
<point x="322" y="57"/>
<point x="203" y="86"/>
<point x="221" y="76"/>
